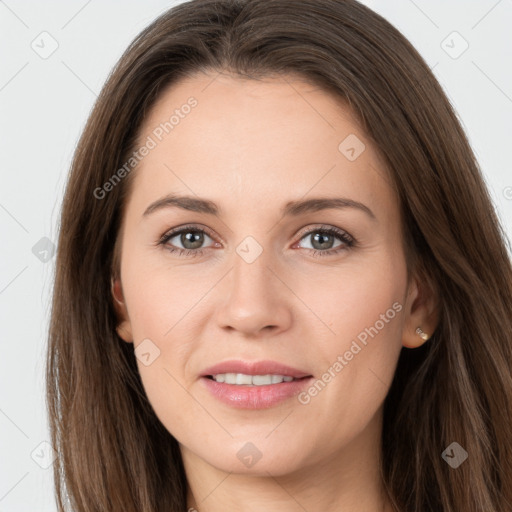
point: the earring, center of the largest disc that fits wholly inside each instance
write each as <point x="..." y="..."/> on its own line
<point x="423" y="335"/>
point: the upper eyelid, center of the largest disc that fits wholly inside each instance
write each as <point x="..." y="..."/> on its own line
<point x="322" y="227"/>
<point x="171" y="233"/>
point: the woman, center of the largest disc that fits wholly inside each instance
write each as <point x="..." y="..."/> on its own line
<point x="281" y="283"/>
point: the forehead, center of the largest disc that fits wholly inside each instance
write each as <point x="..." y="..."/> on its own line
<point x="277" y="138"/>
<point x="246" y="113"/>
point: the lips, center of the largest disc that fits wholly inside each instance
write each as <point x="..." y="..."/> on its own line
<point x="254" y="368"/>
<point x="259" y="396"/>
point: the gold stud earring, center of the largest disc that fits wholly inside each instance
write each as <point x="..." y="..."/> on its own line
<point x="423" y="335"/>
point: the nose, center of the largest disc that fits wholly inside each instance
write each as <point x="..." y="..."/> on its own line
<point x="254" y="299"/>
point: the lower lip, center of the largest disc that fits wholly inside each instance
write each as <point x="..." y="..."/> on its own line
<point x="255" y="397"/>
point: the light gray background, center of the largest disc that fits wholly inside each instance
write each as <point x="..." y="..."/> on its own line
<point x="44" y="104"/>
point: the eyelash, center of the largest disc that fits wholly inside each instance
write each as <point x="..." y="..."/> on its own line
<point x="347" y="240"/>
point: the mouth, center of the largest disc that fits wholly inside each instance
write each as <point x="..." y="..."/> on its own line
<point x="243" y="379"/>
<point x="254" y="385"/>
<point x="256" y="373"/>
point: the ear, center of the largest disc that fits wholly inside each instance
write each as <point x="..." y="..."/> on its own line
<point x="421" y="311"/>
<point x="124" y="327"/>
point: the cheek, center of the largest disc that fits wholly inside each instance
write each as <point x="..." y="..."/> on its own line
<point x="159" y="296"/>
<point x="159" y="311"/>
<point x="165" y="307"/>
<point x="350" y="299"/>
<point x="356" y="364"/>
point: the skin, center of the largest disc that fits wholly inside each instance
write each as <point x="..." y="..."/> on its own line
<point x="251" y="146"/>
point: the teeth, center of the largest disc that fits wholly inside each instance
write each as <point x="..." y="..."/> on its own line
<point x="251" y="380"/>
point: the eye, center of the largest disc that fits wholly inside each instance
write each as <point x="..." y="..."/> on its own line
<point x="323" y="239"/>
<point x="190" y="237"/>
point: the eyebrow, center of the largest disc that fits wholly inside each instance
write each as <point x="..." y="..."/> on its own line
<point x="292" y="208"/>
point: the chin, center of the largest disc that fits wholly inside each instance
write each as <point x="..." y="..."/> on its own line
<point x="258" y="458"/>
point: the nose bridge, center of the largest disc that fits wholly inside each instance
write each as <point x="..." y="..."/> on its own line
<point x="251" y="279"/>
<point x="254" y="298"/>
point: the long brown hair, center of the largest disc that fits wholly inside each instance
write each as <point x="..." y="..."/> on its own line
<point x="113" y="453"/>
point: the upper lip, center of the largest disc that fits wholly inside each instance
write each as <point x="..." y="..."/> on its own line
<point x="254" y="368"/>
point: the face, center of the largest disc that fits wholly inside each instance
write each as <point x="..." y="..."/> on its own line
<point x="287" y="254"/>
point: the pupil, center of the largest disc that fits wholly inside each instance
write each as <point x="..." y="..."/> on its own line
<point x="194" y="237"/>
<point x="323" y="239"/>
